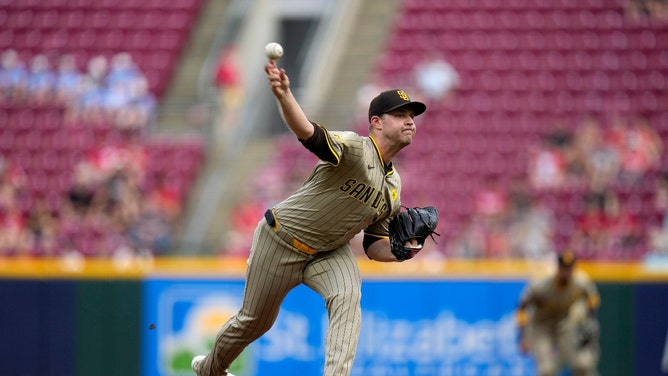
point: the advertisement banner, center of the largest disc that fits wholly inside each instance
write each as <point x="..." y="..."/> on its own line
<point x="409" y="328"/>
<point x="440" y="328"/>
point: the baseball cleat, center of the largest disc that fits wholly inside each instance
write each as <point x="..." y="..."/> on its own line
<point x="197" y="362"/>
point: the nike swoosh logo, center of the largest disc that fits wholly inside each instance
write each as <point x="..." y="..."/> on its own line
<point x="370" y="167"/>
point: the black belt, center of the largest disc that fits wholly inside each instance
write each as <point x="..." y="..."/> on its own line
<point x="301" y="246"/>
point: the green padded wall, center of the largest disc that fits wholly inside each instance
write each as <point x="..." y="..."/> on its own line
<point x="108" y="328"/>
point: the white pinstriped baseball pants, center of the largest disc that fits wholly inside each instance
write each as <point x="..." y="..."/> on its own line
<point x="275" y="268"/>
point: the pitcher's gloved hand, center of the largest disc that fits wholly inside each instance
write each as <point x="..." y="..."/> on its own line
<point x="413" y="223"/>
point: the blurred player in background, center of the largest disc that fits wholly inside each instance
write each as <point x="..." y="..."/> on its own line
<point x="557" y="321"/>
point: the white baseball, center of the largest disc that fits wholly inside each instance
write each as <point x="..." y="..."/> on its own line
<point x="273" y="50"/>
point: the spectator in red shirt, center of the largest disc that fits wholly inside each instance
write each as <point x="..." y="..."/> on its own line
<point x="640" y="151"/>
<point x="590" y="236"/>
<point x="625" y="232"/>
<point x="230" y="89"/>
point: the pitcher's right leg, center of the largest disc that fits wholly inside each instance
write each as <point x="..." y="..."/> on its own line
<point x="274" y="268"/>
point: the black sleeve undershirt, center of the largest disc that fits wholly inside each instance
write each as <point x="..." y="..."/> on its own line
<point x="319" y="146"/>
<point x="368" y="240"/>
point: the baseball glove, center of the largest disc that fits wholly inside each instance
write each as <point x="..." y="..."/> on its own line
<point x="412" y="223"/>
<point x="586" y="332"/>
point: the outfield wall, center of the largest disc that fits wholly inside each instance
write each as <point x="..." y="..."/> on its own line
<point x="420" y="318"/>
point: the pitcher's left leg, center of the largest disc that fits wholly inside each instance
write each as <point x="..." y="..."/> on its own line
<point x="335" y="276"/>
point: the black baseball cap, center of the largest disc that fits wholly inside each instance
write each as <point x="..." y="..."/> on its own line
<point x="566" y="258"/>
<point x="390" y="100"/>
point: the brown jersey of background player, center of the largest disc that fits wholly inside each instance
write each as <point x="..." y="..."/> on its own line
<point x="305" y="238"/>
<point x="557" y="320"/>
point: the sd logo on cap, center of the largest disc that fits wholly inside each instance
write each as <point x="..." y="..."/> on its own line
<point x="391" y="100"/>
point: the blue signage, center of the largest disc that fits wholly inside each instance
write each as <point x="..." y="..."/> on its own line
<point x="409" y="328"/>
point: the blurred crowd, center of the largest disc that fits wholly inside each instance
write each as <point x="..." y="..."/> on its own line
<point x="608" y="171"/>
<point x="110" y="90"/>
<point x="504" y="225"/>
<point x="112" y="203"/>
<point x="110" y="208"/>
<point x="596" y="156"/>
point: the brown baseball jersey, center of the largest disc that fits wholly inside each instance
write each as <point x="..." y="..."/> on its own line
<point x="349" y="190"/>
<point x="552" y="302"/>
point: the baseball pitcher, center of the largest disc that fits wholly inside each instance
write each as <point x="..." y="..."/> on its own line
<point x="305" y="238"/>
